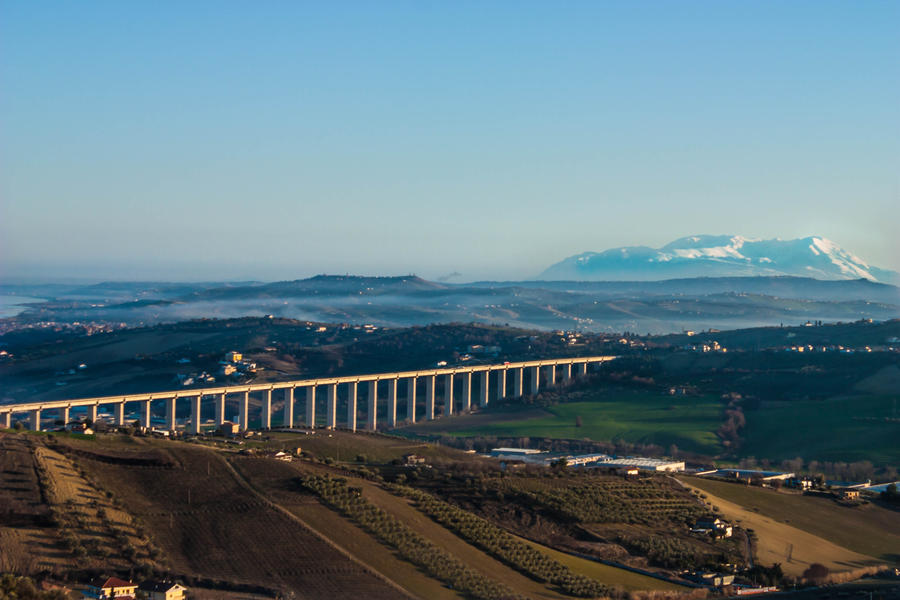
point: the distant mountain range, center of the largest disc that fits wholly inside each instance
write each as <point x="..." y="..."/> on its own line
<point x="720" y="256"/>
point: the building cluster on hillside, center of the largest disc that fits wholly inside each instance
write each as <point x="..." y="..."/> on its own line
<point x="84" y="328"/>
<point x="628" y="465"/>
<point x="113" y="588"/>
<point x="711" y="346"/>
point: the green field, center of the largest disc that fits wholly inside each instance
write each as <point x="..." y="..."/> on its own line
<point x="689" y="422"/>
<point x="846" y="429"/>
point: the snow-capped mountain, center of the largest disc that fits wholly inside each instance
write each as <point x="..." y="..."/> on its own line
<point x="720" y="256"/>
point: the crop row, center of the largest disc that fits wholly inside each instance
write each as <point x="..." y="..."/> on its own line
<point x="503" y="545"/>
<point x="413" y="547"/>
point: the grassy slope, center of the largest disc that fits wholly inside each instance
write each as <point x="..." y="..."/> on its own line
<point x="650" y="418"/>
<point x="224" y="531"/>
<point x="831" y="430"/>
<point x="870" y="529"/>
<point x="627" y="579"/>
<point x="778" y="541"/>
<point x="273" y="479"/>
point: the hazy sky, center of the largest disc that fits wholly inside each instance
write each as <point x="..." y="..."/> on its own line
<point x="264" y="140"/>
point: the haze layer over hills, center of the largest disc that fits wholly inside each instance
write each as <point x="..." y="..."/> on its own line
<point x="639" y="306"/>
<point x="720" y="256"/>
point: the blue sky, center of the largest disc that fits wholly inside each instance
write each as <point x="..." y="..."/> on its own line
<point x="235" y="140"/>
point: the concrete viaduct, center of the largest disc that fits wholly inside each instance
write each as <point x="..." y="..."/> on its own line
<point x="469" y="379"/>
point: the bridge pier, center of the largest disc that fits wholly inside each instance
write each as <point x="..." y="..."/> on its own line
<point x="311" y="407"/>
<point x="170" y="413"/>
<point x="485" y="388"/>
<point x="372" y="406"/>
<point x="119" y="413"/>
<point x="551" y="375"/>
<point x="6" y="420"/>
<point x="518" y="381"/>
<point x="467" y="390"/>
<point x="567" y="372"/>
<point x="288" y="407"/>
<point x="331" y="415"/>
<point x="35" y="417"/>
<point x="535" y="380"/>
<point x="145" y="414"/>
<point x="582" y="368"/>
<point x="411" y="400"/>
<point x="266" y="416"/>
<point x="392" y="402"/>
<point x="501" y="384"/>
<point x="92" y="414"/>
<point x="244" y="412"/>
<point x="195" y="414"/>
<point x="64" y="415"/>
<point x="448" y="394"/>
<point x="352" y="389"/>
<point x="429" y="397"/>
<point x="220" y="409"/>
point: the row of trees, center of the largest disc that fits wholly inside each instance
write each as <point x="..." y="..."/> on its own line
<point x="602" y="501"/>
<point x="413" y="547"/>
<point x="503" y="545"/>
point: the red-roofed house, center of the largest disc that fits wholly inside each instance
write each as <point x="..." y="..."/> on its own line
<point x="110" y="587"/>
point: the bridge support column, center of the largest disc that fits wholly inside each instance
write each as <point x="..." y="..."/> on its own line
<point x="551" y="375"/>
<point x="64" y="415"/>
<point x="501" y="384"/>
<point x="170" y="413"/>
<point x="266" y="420"/>
<point x="392" y="402"/>
<point x="485" y="388"/>
<point x="220" y="409"/>
<point x="352" y="389"/>
<point x="119" y="412"/>
<point x="518" y="382"/>
<point x="448" y="394"/>
<point x="244" y="412"/>
<point x="535" y="380"/>
<point x="92" y="413"/>
<point x="145" y="414"/>
<point x="35" y="416"/>
<point x="567" y="372"/>
<point x="411" y="400"/>
<point x="331" y="415"/>
<point x="372" y="406"/>
<point x="582" y="368"/>
<point x="195" y="414"/>
<point x="6" y="420"/>
<point x="288" y="407"/>
<point x="311" y="407"/>
<point x="429" y="397"/>
<point x="467" y="390"/>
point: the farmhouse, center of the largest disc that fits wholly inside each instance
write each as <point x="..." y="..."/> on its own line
<point x="413" y="459"/>
<point x="850" y="495"/>
<point x="110" y="587"/>
<point x="162" y="590"/>
<point x="713" y="526"/>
